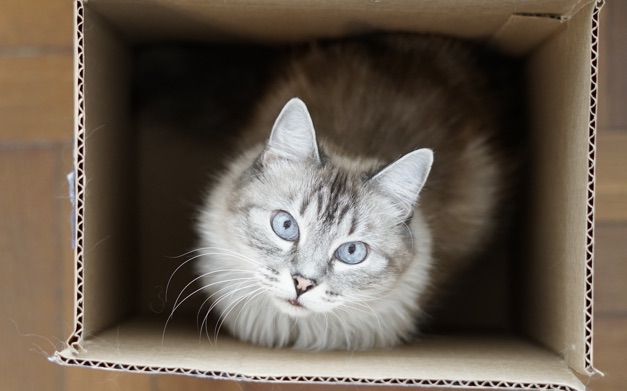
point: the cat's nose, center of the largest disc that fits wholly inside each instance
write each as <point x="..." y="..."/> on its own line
<point x="302" y="284"/>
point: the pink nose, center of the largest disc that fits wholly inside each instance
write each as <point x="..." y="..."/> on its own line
<point x="302" y="284"/>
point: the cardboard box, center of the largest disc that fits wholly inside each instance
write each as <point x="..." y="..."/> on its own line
<point x="116" y="274"/>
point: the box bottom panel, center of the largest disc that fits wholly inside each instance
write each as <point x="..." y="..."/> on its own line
<point x="469" y="360"/>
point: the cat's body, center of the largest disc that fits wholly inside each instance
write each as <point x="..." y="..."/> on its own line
<point x="370" y="102"/>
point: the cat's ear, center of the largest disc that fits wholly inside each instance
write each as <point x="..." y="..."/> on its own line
<point x="293" y="136"/>
<point x="403" y="180"/>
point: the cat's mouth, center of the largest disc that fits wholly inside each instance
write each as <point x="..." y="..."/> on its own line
<point x="292" y="307"/>
<point x="294" y="302"/>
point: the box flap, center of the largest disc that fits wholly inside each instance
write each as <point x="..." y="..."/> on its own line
<point x="523" y="33"/>
<point x="285" y="20"/>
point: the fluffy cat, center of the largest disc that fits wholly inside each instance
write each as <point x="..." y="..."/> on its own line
<point x="373" y="171"/>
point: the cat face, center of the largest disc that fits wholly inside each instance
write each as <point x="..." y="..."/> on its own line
<point x="322" y="233"/>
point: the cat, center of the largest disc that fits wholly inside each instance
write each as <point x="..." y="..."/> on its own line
<point x="374" y="170"/>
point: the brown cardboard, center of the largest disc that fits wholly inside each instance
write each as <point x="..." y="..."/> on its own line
<point x="279" y="20"/>
<point x="558" y="297"/>
<point x="116" y="275"/>
<point x="108" y="232"/>
<point x="521" y="33"/>
<point x="459" y="360"/>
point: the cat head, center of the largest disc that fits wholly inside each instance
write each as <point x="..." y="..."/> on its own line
<point x="321" y="231"/>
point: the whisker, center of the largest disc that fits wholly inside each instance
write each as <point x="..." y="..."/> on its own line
<point x="326" y="323"/>
<point x="205" y="275"/>
<point x="348" y="344"/>
<point x="364" y="297"/>
<point x="185" y="253"/>
<point x="221" y="298"/>
<point x="231" y="307"/>
<point x="205" y="322"/>
<point x="346" y="306"/>
<point x="260" y="291"/>
<point x="209" y="298"/>
<point x="372" y="312"/>
<point x="231" y="254"/>
<point x="193" y="293"/>
<point x="198" y="314"/>
<point x="205" y="287"/>
<point x="229" y="251"/>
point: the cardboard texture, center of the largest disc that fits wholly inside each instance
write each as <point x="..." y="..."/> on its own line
<point x="550" y="333"/>
<point x="557" y="294"/>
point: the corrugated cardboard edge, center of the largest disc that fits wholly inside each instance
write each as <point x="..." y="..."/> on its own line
<point x="592" y="126"/>
<point x="469" y="384"/>
<point x="74" y="341"/>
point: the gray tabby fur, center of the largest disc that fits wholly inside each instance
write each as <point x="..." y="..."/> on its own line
<point x="345" y="170"/>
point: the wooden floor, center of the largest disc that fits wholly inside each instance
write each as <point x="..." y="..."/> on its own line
<point x="35" y="154"/>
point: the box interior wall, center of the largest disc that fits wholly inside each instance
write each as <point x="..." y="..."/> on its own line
<point x="122" y="272"/>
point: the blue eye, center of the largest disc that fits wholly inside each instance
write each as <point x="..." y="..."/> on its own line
<point x="284" y="225"/>
<point x="352" y="253"/>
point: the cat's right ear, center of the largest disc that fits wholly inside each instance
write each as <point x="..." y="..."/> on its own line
<point x="403" y="180"/>
<point x="293" y="136"/>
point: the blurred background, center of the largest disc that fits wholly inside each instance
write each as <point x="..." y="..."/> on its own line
<point x="36" y="270"/>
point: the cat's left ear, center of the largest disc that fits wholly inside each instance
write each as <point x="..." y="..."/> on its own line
<point x="403" y="180"/>
<point x="293" y="136"/>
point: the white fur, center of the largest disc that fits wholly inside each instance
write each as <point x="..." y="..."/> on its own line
<point x="404" y="179"/>
<point x="268" y="320"/>
<point x="250" y="290"/>
<point x="293" y="136"/>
